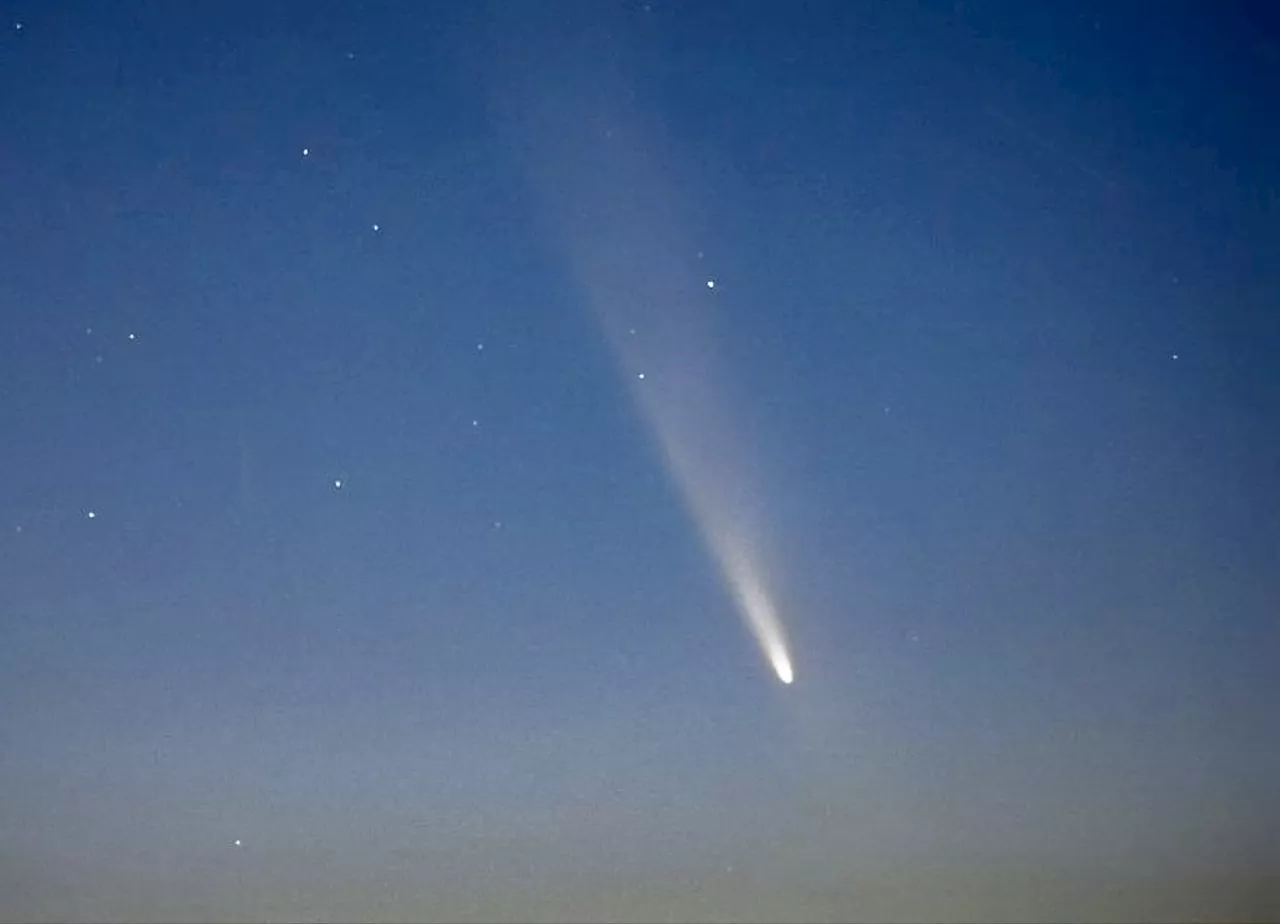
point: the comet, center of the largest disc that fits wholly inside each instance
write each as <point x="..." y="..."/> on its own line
<point x="602" y="172"/>
<point x="684" y="399"/>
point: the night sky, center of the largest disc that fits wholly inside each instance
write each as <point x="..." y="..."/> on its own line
<point x="430" y="433"/>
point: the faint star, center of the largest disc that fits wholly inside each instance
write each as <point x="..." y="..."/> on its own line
<point x="1175" y="356"/>
<point x="632" y="332"/>
<point x="475" y="423"/>
<point x="98" y="358"/>
<point x="497" y="524"/>
<point x="88" y="330"/>
<point x="480" y="346"/>
<point x="18" y="26"/>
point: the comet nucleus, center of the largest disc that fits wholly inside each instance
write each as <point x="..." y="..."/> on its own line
<point x="782" y="665"/>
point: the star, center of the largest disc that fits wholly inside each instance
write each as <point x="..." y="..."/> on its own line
<point x="480" y="346"/>
<point x="306" y="152"/>
<point x="377" y="228"/>
<point x="711" y="283"/>
<point x="91" y="515"/>
<point x="640" y="375"/>
<point x="236" y="842"/>
<point x="133" y="336"/>
<point x="1174" y="356"/>
<point x="337" y="484"/>
<point x="475" y="423"/>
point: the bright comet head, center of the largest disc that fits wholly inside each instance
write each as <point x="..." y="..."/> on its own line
<point x="782" y="666"/>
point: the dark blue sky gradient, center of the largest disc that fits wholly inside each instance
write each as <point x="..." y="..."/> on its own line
<point x="344" y="575"/>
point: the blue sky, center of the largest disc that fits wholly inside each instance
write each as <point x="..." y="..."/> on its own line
<point x="387" y="493"/>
